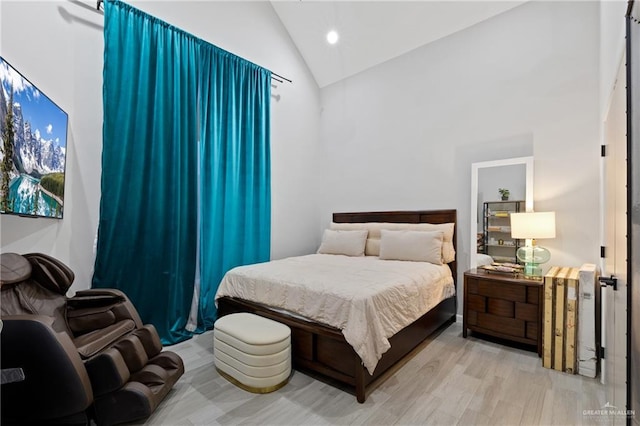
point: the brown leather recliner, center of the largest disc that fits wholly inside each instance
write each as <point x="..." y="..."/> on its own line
<point x="85" y="357"/>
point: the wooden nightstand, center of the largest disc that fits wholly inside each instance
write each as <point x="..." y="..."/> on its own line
<point x="503" y="306"/>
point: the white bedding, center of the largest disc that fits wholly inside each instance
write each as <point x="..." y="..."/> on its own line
<point x="367" y="298"/>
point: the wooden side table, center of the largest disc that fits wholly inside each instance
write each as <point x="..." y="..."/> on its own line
<point x="504" y="306"/>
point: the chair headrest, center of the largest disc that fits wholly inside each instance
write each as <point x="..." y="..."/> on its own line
<point x="50" y="273"/>
<point x="13" y="268"/>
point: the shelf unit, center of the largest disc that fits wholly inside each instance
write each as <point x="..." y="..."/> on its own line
<point x="496" y="230"/>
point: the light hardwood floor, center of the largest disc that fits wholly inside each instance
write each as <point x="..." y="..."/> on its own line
<point x="447" y="381"/>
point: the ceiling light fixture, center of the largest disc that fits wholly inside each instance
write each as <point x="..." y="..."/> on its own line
<point x="332" y="37"/>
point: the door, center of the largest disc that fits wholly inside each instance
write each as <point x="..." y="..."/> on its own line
<point x="614" y="302"/>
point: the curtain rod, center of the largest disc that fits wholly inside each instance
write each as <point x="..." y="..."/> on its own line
<point x="277" y="77"/>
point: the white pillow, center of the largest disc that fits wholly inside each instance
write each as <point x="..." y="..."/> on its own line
<point x="349" y="243"/>
<point x="483" y="259"/>
<point x="417" y="246"/>
<point x="373" y="240"/>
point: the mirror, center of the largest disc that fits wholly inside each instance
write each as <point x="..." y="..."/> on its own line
<point x="487" y="177"/>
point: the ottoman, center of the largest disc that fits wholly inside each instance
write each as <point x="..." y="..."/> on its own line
<point x="252" y="352"/>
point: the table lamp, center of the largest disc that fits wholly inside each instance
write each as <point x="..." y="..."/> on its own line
<point x="533" y="226"/>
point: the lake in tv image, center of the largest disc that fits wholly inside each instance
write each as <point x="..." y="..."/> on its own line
<point x="32" y="150"/>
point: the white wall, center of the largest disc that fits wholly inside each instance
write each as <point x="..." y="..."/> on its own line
<point x="58" y="45"/>
<point x="403" y="135"/>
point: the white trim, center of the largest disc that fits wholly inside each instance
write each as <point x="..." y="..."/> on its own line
<point x="603" y="217"/>
<point x="528" y="162"/>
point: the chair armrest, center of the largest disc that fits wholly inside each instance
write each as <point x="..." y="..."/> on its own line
<point x="115" y="300"/>
<point x="90" y="311"/>
<point x="93" y="298"/>
<point x="56" y="384"/>
<point x="85" y="320"/>
<point x="108" y="292"/>
<point x="91" y="343"/>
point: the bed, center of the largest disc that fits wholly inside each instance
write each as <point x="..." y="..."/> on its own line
<point x="322" y="350"/>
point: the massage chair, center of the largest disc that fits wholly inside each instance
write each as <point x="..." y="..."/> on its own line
<point x="82" y="359"/>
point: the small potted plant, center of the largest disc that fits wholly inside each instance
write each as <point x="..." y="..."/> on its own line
<point x="504" y="193"/>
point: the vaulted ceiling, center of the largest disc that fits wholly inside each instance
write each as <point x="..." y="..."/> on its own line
<point x="372" y="32"/>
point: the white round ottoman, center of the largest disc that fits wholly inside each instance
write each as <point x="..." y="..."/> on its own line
<point x="252" y="352"/>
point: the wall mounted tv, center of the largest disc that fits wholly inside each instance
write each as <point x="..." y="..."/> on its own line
<point x="32" y="148"/>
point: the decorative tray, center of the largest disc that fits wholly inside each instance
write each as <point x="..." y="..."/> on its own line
<point x="503" y="268"/>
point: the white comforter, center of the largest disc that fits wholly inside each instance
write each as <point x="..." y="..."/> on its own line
<point x="367" y="298"/>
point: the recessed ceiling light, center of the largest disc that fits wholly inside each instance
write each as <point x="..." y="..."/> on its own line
<point x="332" y="37"/>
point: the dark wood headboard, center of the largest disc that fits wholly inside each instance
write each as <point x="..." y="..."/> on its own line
<point x="417" y="216"/>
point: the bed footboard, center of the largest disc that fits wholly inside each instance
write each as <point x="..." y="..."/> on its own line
<point x="323" y="353"/>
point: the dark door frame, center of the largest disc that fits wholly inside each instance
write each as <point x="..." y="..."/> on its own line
<point x="632" y="32"/>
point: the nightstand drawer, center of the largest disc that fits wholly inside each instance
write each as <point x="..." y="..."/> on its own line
<point x="532" y="331"/>
<point x="501" y="308"/>
<point x="472" y="317"/>
<point x="510" y="326"/>
<point x="533" y="295"/>
<point x="527" y="312"/>
<point x="477" y="303"/>
<point x="498" y="290"/>
<point x="514" y="293"/>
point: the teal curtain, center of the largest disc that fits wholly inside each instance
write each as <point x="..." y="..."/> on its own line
<point x="185" y="169"/>
<point x="235" y="198"/>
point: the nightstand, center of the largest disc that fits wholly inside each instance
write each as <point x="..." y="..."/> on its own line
<point x="504" y="306"/>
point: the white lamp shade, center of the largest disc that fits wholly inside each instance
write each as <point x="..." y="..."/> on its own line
<point x="533" y="225"/>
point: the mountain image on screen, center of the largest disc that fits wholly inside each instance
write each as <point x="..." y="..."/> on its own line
<point x="33" y="132"/>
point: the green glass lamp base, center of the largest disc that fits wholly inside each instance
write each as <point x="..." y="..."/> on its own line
<point x="532" y="257"/>
<point x="532" y="270"/>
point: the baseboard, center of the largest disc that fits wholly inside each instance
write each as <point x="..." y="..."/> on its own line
<point x="458" y="318"/>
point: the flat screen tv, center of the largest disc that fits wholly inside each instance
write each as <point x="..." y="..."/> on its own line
<point x="32" y="150"/>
